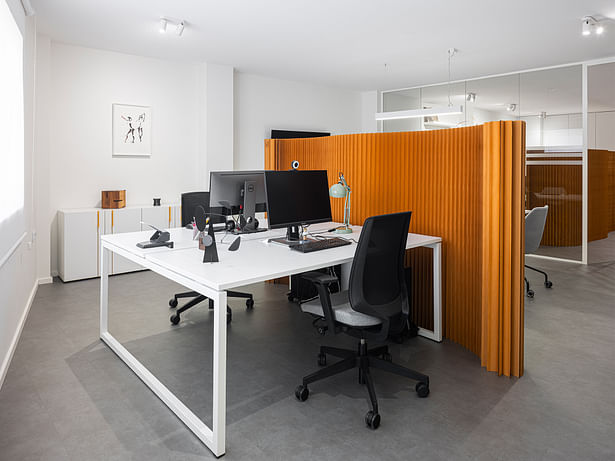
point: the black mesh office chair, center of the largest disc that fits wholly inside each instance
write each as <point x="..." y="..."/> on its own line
<point x="374" y="307"/>
<point x="190" y="200"/>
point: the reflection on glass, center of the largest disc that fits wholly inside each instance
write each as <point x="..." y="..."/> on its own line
<point x="441" y="96"/>
<point x="601" y="163"/>
<point x="402" y="100"/>
<point x="497" y="98"/>
<point x="551" y="106"/>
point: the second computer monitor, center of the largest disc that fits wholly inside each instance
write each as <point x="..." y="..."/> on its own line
<point x="239" y="192"/>
<point x="297" y="197"/>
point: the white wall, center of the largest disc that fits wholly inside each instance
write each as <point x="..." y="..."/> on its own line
<point x="218" y="119"/>
<point x="18" y="273"/>
<point x="263" y="104"/>
<point x="83" y="85"/>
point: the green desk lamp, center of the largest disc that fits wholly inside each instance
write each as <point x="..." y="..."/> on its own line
<point x="339" y="190"/>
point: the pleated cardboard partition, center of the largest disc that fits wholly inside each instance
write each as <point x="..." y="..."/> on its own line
<point x="464" y="185"/>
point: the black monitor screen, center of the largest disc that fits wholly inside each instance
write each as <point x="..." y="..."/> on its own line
<point x="297" y="197"/>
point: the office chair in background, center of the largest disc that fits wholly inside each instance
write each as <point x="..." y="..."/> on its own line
<point x="375" y="306"/>
<point x="534" y="228"/>
<point x="189" y="201"/>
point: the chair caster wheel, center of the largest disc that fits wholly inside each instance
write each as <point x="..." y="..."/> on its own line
<point x="372" y="419"/>
<point x="387" y="357"/>
<point x="302" y="393"/>
<point x="322" y="360"/>
<point x="291" y="298"/>
<point x="174" y="319"/>
<point x="549" y="284"/>
<point x="250" y="303"/>
<point x="422" y="389"/>
<point x="530" y="293"/>
<point x="173" y="302"/>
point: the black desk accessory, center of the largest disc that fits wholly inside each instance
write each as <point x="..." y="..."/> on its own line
<point x="235" y="245"/>
<point x="156" y="202"/>
<point x="207" y="241"/>
<point x="160" y="238"/>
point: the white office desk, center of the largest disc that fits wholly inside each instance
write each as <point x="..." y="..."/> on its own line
<point x="255" y="261"/>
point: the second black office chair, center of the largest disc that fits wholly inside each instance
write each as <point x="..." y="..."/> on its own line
<point x="374" y="307"/>
<point x="190" y="200"/>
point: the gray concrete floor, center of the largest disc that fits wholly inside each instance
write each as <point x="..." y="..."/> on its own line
<point x="68" y="397"/>
<point x="598" y="251"/>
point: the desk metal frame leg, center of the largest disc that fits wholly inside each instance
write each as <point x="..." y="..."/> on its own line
<point x="436" y="334"/>
<point x="213" y="438"/>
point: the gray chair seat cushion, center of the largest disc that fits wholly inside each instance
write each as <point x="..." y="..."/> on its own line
<point x="343" y="312"/>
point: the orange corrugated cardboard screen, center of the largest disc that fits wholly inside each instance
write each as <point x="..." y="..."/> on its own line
<point x="438" y="175"/>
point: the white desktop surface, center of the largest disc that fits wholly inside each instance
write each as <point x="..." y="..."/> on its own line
<point x="254" y="261"/>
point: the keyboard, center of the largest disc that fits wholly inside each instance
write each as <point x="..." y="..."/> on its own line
<point x="320" y="244"/>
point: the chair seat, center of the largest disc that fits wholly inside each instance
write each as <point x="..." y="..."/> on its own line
<point x="343" y="312"/>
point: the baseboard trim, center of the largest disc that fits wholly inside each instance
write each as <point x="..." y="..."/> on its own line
<point x="9" y="356"/>
<point x="45" y="280"/>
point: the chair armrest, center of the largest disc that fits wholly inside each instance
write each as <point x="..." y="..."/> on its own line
<point x="322" y="282"/>
<point x="319" y="278"/>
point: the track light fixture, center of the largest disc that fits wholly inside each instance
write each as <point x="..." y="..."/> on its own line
<point x="179" y="25"/>
<point x="511" y="107"/>
<point x="591" y="25"/>
<point x="471" y="97"/>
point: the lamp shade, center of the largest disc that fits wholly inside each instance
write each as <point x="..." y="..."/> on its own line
<point x="337" y="191"/>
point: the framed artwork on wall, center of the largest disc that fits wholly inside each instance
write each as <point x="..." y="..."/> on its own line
<point x="132" y="130"/>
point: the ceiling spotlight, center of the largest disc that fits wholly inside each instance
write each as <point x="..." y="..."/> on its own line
<point x="590" y="24"/>
<point x="179" y="30"/>
<point x="542" y="115"/>
<point x="587" y="27"/>
<point x="511" y="107"/>
<point x="163" y="26"/>
<point x="471" y="97"/>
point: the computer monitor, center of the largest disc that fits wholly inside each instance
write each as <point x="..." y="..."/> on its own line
<point x="239" y="192"/>
<point x="189" y="202"/>
<point x="297" y="197"/>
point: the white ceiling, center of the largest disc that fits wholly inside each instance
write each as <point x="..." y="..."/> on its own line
<point x="342" y="43"/>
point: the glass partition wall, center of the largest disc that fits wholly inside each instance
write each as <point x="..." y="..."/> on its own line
<point x="601" y="162"/>
<point x="551" y="103"/>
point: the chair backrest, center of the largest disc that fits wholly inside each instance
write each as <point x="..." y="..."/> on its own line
<point x="377" y="282"/>
<point x="190" y="200"/>
<point x="534" y="227"/>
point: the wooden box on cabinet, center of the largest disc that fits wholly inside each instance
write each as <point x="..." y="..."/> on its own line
<point x="113" y="199"/>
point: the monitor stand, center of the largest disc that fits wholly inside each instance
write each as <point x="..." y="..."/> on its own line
<point x="293" y="237"/>
<point x="248" y="210"/>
